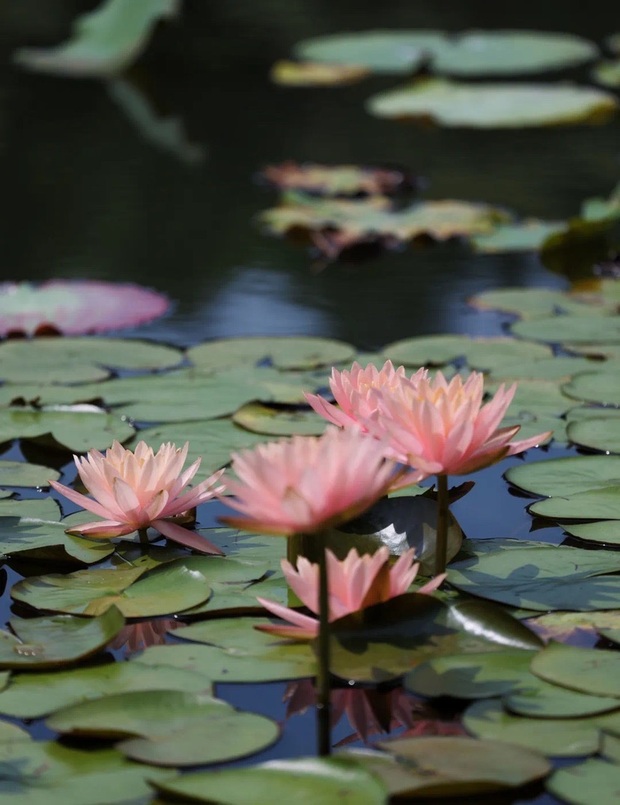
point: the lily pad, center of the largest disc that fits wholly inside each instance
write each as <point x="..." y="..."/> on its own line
<point x="559" y="578"/>
<point x="606" y="532"/>
<point x="555" y="737"/>
<point x="173" y="728"/>
<point x="592" y="671"/>
<point x="433" y="350"/>
<point x="52" y="642"/>
<point x="593" y="504"/>
<point x="607" y="73"/>
<point x="336" y="180"/>
<point x="79" y="360"/>
<point x="298" y="352"/>
<point x="568" y="330"/>
<point x="599" y="433"/>
<point x="76" y="307"/>
<point x="48" y="773"/>
<point x="39" y="694"/>
<point x="320" y="781"/>
<point x="104" y="41"/>
<point x="593" y="780"/>
<point x="526" y="236"/>
<point x="565" y="476"/>
<point x="315" y="74"/>
<point x="259" y="418"/>
<point x="18" y="473"/>
<point x="508" y="105"/>
<point x="170" y="588"/>
<point x="527" y="303"/>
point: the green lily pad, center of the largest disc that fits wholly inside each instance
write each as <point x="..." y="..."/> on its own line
<point x="508" y="105"/>
<point x="39" y="694"/>
<point x="469" y="676"/>
<point x="593" y="504"/>
<point x="173" y="728"/>
<point x="211" y="441"/>
<point x="527" y="303"/>
<point x="542" y="579"/>
<point x="237" y="636"/>
<point x="56" y="641"/>
<point x="79" y="360"/>
<point x="565" y="625"/>
<point x="606" y="532"/>
<point x="480" y="353"/>
<point x="595" y="386"/>
<point x="48" y="773"/>
<point x="282" y="661"/>
<point x="607" y="73"/>
<point x="18" y="473"/>
<point x="526" y="236"/>
<point x="592" y="671"/>
<point x="593" y="780"/>
<point x="476" y="53"/>
<point x="432" y="350"/>
<point x="77" y="430"/>
<point x="319" y="781"/>
<point x="569" y="330"/>
<point x="556" y="737"/>
<point x="454" y="766"/>
<point x="382" y="51"/>
<point x="104" y="41"/>
<point x="559" y="368"/>
<point x="565" y="476"/>
<point x="539" y="699"/>
<point x="171" y="587"/>
<point x="298" y="352"/>
<point x="259" y="418"/>
<point x="11" y="732"/>
<point x="598" y="433"/>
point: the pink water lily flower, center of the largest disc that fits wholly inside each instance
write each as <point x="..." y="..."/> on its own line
<point x="443" y="428"/>
<point x="352" y="391"/>
<point x="353" y="584"/>
<point x="308" y="483"/>
<point x="133" y="491"/>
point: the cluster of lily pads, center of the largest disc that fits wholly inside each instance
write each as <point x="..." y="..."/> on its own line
<point x="187" y="621"/>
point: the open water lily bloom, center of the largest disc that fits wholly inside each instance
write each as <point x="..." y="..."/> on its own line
<point x="307" y="484"/>
<point x="354" y="583"/>
<point x="443" y="428"/>
<point x="133" y="491"/>
<point x="352" y="391"/>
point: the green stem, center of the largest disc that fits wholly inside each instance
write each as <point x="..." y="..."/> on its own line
<point x="441" y="544"/>
<point x="143" y="536"/>
<point x="323" y="681"/>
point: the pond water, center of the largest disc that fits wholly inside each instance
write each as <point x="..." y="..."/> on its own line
<point x="88" y="196"/>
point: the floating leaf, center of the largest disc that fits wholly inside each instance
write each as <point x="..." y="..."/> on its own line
<point x="271" y="421"/>
<point x="315" y="74"/>
<point x="541" y="579"/>
<point x="569" y="330"/>
<point x="48" y="773"/>
<point x="527" y="303"/>
<point x="18" y="473"/>
<point x="336" y="180"/>
<point x="595" y="386"/>
<point x="51" y="642"/>
<point x="479" y="105"/>
<point x="607" y="73"/>
<point x="528" y="235"/>
<point x="593" y="780"/>
<point x="79" y="360"/>
<point x="599" y="433"/>
<point x="539" y="699"/>
<point x="578" y="625"/>
<point x="35" y="695"/>
<point x="299" y="352"/>
<point x="173" y="728"/>
<point x="321" y="781"/>
<point x="453" y="766"/>
<point x="558" y="737"/>
<point x="593" y="504"/>
<point x="11" y="732"/>
<point x="592" y="671"/>
<point x="170" y="588"/>
<point x="76" y="307"/>
<point x="77" y="430"/>
<point x="606" y="531"/>
<point x="104" y="41"/>
<point x="565" y="476"/>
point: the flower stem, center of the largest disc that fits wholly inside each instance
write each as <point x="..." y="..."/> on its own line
<point x="323" y="682"/>
<point x="441" y="543"/>
<point x="143" y="536"/>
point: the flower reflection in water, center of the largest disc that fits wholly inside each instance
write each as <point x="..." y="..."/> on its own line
<point x="372" y="712"/>
<point x="137" y="636"/>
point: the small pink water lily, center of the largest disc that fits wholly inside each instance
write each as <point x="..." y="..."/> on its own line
<point x="443" y="428"/>
<point x="308" y="483"/>
<point x="354" y="583"/>
<point x="135" y="490"/>
<point x="353" y="391"/>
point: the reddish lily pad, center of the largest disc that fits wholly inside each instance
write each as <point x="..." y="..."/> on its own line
<point x="336" y="180"/>
<point x="76" y="307"/>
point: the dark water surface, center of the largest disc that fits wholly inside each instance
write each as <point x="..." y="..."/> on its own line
<point x="87" y="196"/>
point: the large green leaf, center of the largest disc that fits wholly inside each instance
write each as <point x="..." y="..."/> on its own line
<point x="605" y="531"/>
<point x="19" y="473"/>
<point x="542" y="579"/>
<point x="528" y="235"/>
<point x="593" y="504"/>
<point x="596" y="432"/>
<point x="259" y="418"/>
<point x="589" y="670"/>
<point x="104" y="41"/>
<point x="595" y="386"/>
<point x="554" y="737"/>
<point x="173" y="728"/>
<point x="79" y="360"/>
<point x="56" y="641"/>
<point x="306" y="781"/>
<point x="35" y="695"/>
<point x="565" y="476"/>
<point x="593" y="780"/>
<point x="508" y="105"/>
<point x="570" y="329"/>
<point x="78" y="430"/>
<point x="48" y="773"/>
<point x="169" y="588"/>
